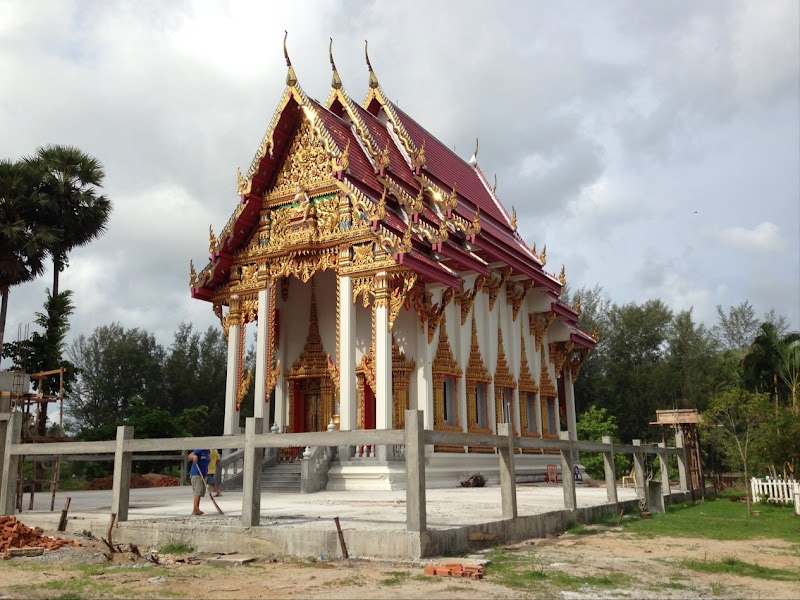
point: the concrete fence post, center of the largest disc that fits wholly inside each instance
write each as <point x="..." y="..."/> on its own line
<point x="184" y="461"/>
<point x="416" y="509"/>
<point x="251" y="476"/>
<point x="683" y="472"/>
<point x="508" y="474"/>
<point x="663" y="461"/>
<point x="611" y="471"/>
<point x="567" y="473"/>
<point x="638" y="469"/>
<point x="8" y="491"/>
<point x="121" y="496"/>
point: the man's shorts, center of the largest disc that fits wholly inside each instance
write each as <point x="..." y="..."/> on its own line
<point x="210" y="480"/>
<point x="198" y="487"/>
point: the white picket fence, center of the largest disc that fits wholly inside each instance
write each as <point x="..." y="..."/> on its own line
<point x="776" y="490"/>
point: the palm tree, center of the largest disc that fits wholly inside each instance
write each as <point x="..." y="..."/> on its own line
<point x="71" y="180"/>
<point x="25" y="238"/>
<point x="764" y="362"/>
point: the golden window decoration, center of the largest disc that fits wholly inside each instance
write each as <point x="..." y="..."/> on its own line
<point x="504" y="384"/>
<point x="477" y="376"/>
<point x="444" y="366"/>
<point x="527" y="394"/>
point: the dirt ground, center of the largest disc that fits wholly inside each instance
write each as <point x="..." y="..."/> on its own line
<point x="609" y="563"/>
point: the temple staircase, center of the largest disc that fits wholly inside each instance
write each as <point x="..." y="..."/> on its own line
<point x="281" y="478"/>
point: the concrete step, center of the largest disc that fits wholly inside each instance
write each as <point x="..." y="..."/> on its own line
<point x="283" y="478"/>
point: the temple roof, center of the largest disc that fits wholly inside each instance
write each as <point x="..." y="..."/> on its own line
<point x="457" y="223"/>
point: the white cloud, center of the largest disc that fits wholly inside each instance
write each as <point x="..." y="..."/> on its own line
<point x="764" y="238"/>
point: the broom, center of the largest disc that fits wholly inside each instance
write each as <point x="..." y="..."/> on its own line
<point x="210" y="495"/>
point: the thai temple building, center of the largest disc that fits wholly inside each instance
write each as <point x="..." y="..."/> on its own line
<point x="380" y="272"/>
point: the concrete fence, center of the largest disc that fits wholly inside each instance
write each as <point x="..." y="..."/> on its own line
<point x="412" y="440"/>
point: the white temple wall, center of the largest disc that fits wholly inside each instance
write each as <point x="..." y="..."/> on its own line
<point x="294" y="320"/>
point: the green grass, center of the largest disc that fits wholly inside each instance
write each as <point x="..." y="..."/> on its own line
<point x="720" y="519"/>
<point x="734" y="566"/>
<point x="525" y="572"/>
<point x="176" y="547"/>
<point x="395" y="577"/>
<point x="351" y="581"/>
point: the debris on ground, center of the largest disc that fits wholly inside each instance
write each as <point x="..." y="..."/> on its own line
<point x="476" y="480"/>
<point x="15" y="534"/>
<point x="149" y="480"/>
<point x="455" y="570"/>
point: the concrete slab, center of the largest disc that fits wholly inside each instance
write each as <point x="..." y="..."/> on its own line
<point x="373" y="522"/>
<point x="230" y="560"/>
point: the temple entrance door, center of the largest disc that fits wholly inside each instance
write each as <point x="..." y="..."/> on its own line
<point x="298" y="414"/>
<point x="312" y="401"/>
<point x="369" y="407"/>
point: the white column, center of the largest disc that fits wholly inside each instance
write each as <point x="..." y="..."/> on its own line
<point x="491" y="359"/>
<point x="231" y="423"/>
<point x="424" y="375"/>
<point x="463" y="341"/>
<point x="348" y="404"/>
<point x="280" y="385"/>
<point x="383" y="356"/>
<point x="516" y="363"/>
<point x="260" y="406"/>
<point x="569" y="394"/>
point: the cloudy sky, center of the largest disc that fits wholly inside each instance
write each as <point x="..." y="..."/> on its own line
<point x="653" y="146"/>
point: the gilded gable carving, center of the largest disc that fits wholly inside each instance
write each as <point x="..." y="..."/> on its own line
<point x="307" y="164"/>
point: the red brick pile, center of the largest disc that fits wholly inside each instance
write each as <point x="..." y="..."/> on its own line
<point x="15" y="534"/>
<point x="455" y="570"/>
<point x="166" y="481"/>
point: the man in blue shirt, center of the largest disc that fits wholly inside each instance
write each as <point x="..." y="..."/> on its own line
<point x="198" y="473"/>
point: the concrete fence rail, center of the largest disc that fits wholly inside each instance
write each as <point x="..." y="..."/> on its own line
<point x="414" y="438"/>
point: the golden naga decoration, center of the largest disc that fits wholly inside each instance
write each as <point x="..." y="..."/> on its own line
<point x="558" y="355"/>
<point x="272" y="378"/>
<point x="213" y="241"/>
<point x="562" y="277"/>
<point x="192" y="274"/>
<point x="577" y="306"/>
<point x="543" y="255"/>
<point x="538" y="324"/>
<point x="243" y="185"/>
<point x="515" y="296"/>
<point x="533" y="249"/>
<point x="364" y="287"/>
<point x="244" y="387"/>
<point x="382" y="161"/>
<point x="576" y="362"/>
<point x="596" y="333"/>
<point x="418" y="158"/>
<point x="398" y="294"/>
<point x="467" y="298"/>
<point x="492" y="286"/>
<point x="494" y="186"/>
<point x="340" y="164"/>
<point x="303" y="266"/>
<point x="513" y="218"/>
<point x="451" y="199"/>
<point x="436" y="313"/>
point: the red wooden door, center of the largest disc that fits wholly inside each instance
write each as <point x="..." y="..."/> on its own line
<point x="369" y="408"/>
<point x="298" y="413"/>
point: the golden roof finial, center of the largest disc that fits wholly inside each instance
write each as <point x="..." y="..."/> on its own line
<point x="562" y="277"/>
<point x="543" y="255"/>
<point x="474" y="160"/>
<point x="373" y="80"/>
<point x="291" y="78"/>
<point x="192" y="273"/>
<point x="336" y="81"/>
<point x="577" y="306"/>
<point x="513" y="218"/>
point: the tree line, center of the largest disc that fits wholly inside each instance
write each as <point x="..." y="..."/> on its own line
<point x="742" y="375"/>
